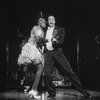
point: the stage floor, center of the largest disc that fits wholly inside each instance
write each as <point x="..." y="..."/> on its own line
<point x="61" y="94"/>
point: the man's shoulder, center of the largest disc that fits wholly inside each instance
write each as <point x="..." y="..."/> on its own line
<point x="59" y="27"/>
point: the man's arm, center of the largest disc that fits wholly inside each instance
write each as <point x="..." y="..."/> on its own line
<point x="58" y="40"/>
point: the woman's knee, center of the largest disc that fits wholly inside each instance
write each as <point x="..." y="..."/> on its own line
<point x="40" y="69"/>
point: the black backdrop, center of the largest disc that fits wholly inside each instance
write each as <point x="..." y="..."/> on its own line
<point x="81" y="20"/>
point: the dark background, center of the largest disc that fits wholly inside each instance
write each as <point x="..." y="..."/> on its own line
<point x="81" y="20"/>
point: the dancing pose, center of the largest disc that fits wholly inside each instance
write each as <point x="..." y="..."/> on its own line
<point x="32" y="53"/>
<point x="54" y="52"/>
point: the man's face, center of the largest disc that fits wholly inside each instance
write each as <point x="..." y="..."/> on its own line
<point x="51" y="21"/>
<point x="42" y="22"/>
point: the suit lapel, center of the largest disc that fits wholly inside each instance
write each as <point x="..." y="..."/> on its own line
<point x="55" y="31"/>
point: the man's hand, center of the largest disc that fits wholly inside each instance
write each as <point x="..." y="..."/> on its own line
<point x="54" y="40"/>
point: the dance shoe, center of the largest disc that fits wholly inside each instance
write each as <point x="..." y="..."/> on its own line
<point x="26" y="89"/>
<point x="34" y="94"/>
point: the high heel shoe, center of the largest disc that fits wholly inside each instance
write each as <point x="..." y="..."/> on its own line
<point x="34" y="94"/>
<point x="26" y="89"/>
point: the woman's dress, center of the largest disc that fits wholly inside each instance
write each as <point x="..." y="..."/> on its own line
<point x="30" y="53"/>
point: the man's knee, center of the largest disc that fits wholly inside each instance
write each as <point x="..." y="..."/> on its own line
<point x="47" y="73"/>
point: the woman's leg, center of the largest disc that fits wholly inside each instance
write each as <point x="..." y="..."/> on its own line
<point x="33" y="92"/>
<point x="37" y="77"/>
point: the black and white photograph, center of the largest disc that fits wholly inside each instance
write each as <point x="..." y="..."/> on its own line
<point x="50" y="50"/>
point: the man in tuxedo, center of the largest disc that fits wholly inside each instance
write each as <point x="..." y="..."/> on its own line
<point x="53" y="52"/>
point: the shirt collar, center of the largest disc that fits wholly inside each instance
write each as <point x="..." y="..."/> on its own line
<point x="51" y="27"/>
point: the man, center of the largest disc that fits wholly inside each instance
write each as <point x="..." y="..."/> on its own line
<point x="53" y="52"/>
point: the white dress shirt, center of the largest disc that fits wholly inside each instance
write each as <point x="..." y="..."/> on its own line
<point x="49" y="37"/>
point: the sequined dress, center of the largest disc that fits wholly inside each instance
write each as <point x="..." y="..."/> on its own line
<point x="30" y="53"/>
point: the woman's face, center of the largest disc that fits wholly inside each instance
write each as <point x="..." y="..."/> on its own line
<point x="42" y="22"/>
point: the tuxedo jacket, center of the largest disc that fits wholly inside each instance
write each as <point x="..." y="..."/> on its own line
<point x="59" y="34"/>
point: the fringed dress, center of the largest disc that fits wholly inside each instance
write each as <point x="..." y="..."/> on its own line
<point x="30" y="53"/>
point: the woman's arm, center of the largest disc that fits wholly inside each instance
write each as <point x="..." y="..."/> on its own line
<point x="32" y="37"/>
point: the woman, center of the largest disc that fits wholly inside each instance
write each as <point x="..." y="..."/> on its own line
<point x="32" y="53"/>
